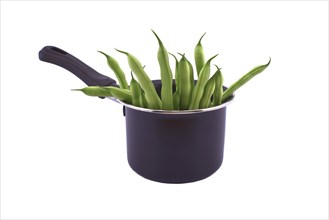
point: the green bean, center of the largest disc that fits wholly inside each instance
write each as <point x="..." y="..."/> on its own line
<point x="114" y="65"/>
<point x="121" y="94"/>
<point x="199" y="56"/>
<point x="153" y="100"/>
<point x="144" y="100"/>
<point x="208" y="91"/>
<point x="191" y="75"/>
<point x="136" y="92"/>
<point x="103" y="91"/>
<point x="166" y="76"/>
<point x="143" y="95"/>
<point x="176" y="95"/>
<point x="176" y="100"/>
<point x="218" y="93"/>
<point x="199" y="87"/>
<point x="191" y="72"/>
<point x="243" y="80"/>
<point x="176" y="72"/>
<point x="185" y="86"/>
<point x="95" y="91"/>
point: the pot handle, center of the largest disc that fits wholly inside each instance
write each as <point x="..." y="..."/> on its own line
<point x="67" y="61"/>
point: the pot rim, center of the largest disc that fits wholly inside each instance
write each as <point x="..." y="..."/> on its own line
<point x="178" y="112"/>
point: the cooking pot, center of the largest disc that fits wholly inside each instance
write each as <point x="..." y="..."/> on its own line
<point x="163" y="146"/>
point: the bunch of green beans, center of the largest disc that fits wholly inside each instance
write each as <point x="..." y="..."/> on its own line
<point x="183" y="93"/>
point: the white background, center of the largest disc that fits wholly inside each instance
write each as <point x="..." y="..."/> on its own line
<point x="63" y="154"/>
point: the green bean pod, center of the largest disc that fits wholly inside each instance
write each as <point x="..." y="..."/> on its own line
<point x="143" y="95"/>
<point x="104" y="91"/>
<point x="243" y="80"/>
<point x="184" y="86"/>
<point x="144" y="100"/>
<point x="166" y="76"/>
<point x="176" y="100"/>
<point x="218" y="93"/>
<point x="201" y="83"/>
<point x="153" y="100"/>
<point x="191" y="75"/>
<point x="176" y="72"/>
<point x="199" y="56"/>
<point x="208" y="92"/>
<point x="191" y="72"/>
<point x="114" y="65"/>
<point x="136" y="92"/>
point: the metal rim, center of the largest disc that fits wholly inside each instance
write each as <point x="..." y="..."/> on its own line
<point x="177" y="112"/>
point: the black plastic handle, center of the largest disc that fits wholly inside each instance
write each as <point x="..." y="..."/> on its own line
<point x="65" y="60"/>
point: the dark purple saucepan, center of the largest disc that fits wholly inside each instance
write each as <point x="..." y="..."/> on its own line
<point x="164" y="146"/>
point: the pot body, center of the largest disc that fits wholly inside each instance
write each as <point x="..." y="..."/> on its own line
<point x="175" y="148"/>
